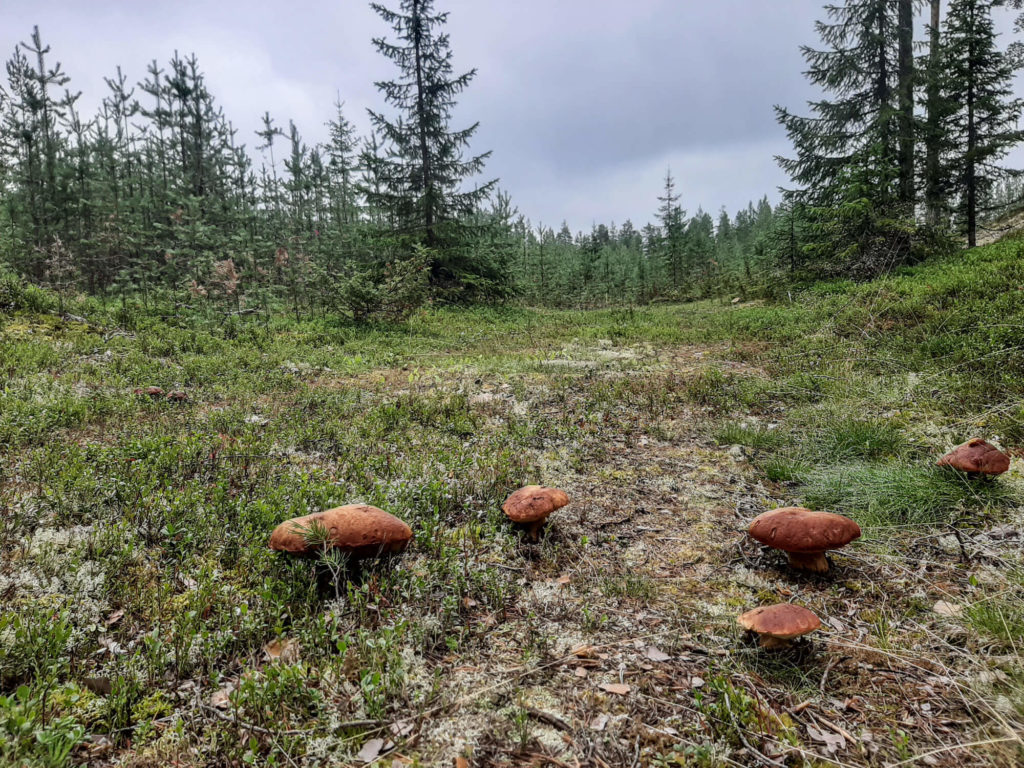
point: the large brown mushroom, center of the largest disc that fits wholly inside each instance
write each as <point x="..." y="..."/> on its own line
<point x="804" y="534"/>
<point x="976" y="457"/>
<point x="358" y="529"/>
<point x="531" y="505"/>
<point x="778" y="625"/>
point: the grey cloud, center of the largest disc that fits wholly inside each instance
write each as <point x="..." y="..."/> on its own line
<point x="583" y="102"/>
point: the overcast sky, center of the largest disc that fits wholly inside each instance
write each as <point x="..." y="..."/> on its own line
<point x="584" y="103"/>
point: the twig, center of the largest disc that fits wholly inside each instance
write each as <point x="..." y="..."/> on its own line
<point x="547" y="717"/>
<point x="747" y="744"/>
<point x="294" y="732"/>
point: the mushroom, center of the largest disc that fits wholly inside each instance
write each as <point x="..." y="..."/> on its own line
<point x="177" y="397"/>
<point x="804" y="534"/>
<point x="531" y="506"/>
<point x="976" y="457"/>
<point x="153" y="392"/>
<point x="778" y="625"/>
<point x="358" y="529"/>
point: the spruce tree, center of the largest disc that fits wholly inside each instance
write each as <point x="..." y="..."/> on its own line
<point x="983" y="125"/>
<point x="422" y="176"/>
<point x="673" y="231"/>
<point x="936" y="108"/>
<point x="855" y="133"/>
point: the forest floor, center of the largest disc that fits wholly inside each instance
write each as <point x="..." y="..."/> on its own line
<point x="144" y="621"/>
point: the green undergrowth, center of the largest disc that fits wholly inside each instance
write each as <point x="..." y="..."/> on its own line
<point x="133" y="530"/>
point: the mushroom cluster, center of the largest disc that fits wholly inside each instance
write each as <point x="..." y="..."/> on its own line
<point x="806" y="535"/>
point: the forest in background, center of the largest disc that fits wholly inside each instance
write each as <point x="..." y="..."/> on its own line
<point x="158" y="199"/>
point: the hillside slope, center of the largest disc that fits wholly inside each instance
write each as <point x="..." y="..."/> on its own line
<point x="145" y="622"/>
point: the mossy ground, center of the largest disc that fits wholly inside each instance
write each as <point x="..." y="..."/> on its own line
<point x="144" y="621"/>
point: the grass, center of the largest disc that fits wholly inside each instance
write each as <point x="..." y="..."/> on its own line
<point x="140" y="600"/>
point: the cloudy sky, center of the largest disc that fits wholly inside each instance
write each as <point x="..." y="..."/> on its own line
<point x="584" y="103"/>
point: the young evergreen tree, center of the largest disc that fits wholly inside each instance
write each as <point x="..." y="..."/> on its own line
<point x="423" y="176"/>
<point x="983" y="125"/>
<point x="673" y="232"/>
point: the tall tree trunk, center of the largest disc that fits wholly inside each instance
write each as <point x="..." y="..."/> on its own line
<point x="428" y="192"/>
<point x="970" y="170"/>
<point x="906" y="102"/>
<point x="933" y="196"/>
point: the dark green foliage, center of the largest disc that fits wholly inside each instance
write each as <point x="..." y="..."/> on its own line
<point x="979" y="114"/>
<point x="418" y="183"/>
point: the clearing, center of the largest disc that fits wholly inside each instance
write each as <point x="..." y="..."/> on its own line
<point x="145" y="622"/>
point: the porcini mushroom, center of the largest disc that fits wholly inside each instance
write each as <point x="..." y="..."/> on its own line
<point x="804" y="534"/>
<point x="358" y="529"/>
<point x="531" y="506"/>
<point x="976" y="457"/>
<point x="778" y="625"/>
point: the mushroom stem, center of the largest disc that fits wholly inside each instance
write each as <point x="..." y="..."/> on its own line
<point x="534" y="529"/>
<point x="774" y="643"/>
<point x="815" y="562"/>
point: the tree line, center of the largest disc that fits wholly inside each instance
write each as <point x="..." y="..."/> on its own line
<point x="157" y="196"/>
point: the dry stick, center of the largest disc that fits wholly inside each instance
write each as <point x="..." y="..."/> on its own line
<point x="294" y="732"/>
<point x="743" y="738"/>
<point x="950" y="748"/>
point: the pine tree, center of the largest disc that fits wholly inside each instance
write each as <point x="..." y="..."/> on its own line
<point x="983" y="126"/>
<point x="422" y="175"/>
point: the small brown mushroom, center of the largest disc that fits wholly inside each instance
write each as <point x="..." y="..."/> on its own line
<point x="804" y="534"/>
<point x="153" y="392"/>
<point x="976" y="457"/>
<point x="778" y="625"/>
<point x="177" y="397"/>
<point x="358" y="529"/>
<point x="531" y="506"/>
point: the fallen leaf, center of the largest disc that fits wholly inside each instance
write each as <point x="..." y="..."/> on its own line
<point x="655" y="654"/>
<point x="945" y="608"/>
<point x="221" y="697"/>
<point x="115" y="617"/>
<point x="564" y="579"/>
<point x="283" y="648"/>
<point x="599" y="722"/>
<point x="696" y="682"/>
<point x="469" y="602"/>
<point x="833" y="741"/>
<point x="370" y="750"/>
<point x="619" y="689"/>
<point x="580" y="672"/>
<point x="461" y="762"/>
<point x="584" y="652"/>
<point x="402" y="728"/>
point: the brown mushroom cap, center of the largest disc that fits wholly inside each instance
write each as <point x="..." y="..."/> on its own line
<point x="795" y="529"/>
<point x="976" y="455"/>
<point x="780" y="623"/>
<point x="533" y="503"/>
<point x="358" y="529"/>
